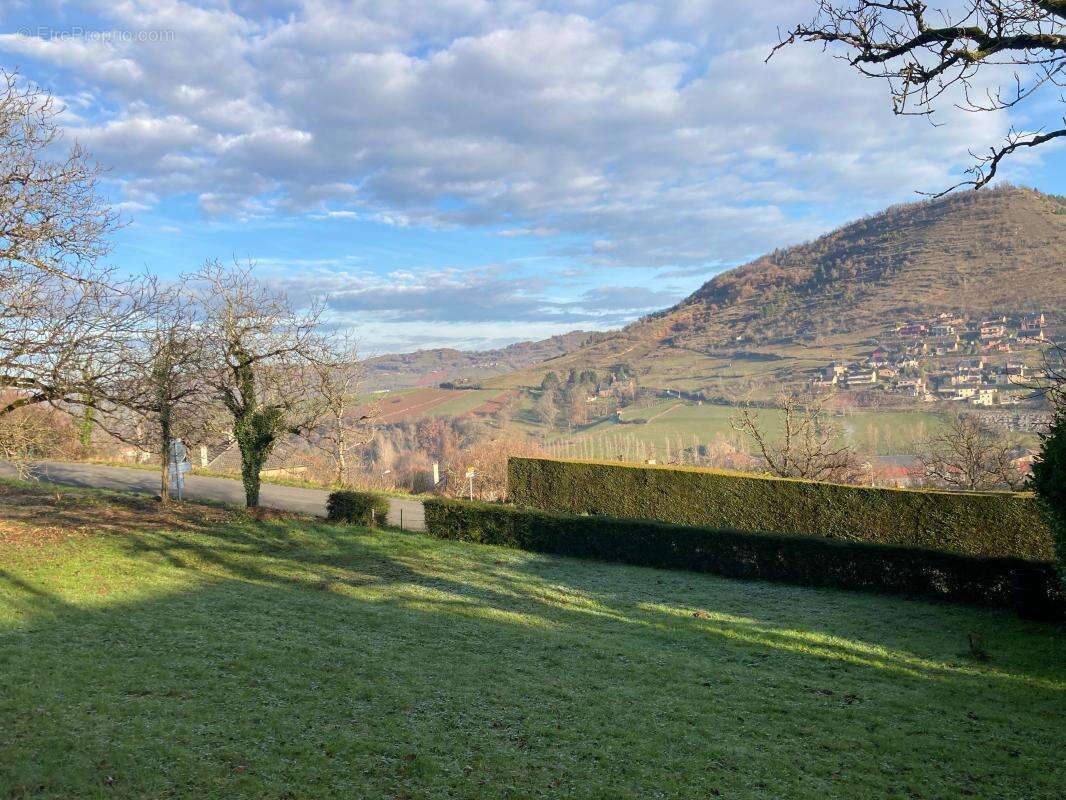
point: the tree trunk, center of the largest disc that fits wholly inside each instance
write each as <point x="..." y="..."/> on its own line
<point x="254" y="450"/>
<point x="85" y="430"/>
<point x="342" y="453"/>
<point x="256" y="429"/>
<point x="250" y="477"/>
<point x="164" y="437"/>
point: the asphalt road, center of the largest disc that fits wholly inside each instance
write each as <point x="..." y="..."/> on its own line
<point x="223" y="490"/>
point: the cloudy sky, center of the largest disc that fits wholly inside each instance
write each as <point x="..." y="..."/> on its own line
<point x="472" y="173"/>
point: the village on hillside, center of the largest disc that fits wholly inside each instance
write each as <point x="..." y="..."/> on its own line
<point x="950" y="358"/>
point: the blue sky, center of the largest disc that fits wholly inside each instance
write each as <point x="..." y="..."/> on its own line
<point x="468" y="173"/>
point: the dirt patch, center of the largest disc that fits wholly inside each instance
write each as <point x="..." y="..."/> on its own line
<point x="271" y="515"/>
<point x="37" y="515"/>
<point x="412" y="404"/>
<point x="15" y="535"/>
<point x="495" y="404"/>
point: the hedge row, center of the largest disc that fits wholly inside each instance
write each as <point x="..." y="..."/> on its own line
<point x="357" y="508"/>
<point x="978" y="524"/>
<point x="790" y="558"/>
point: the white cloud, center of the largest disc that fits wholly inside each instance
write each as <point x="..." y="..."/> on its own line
<point x="645" y="133"/>
<point x="487" y="294"/>
<point x="148" y="141"/>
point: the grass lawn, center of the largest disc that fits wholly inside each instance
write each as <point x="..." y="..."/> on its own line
<point x="469" y="400"/>
<point x="204" y="653"/>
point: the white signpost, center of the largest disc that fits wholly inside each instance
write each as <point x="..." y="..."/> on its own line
<point x="179" y="465"/>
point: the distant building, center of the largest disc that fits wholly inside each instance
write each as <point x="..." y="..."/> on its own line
<point x="1024" y="461"/>
<point x="862" y="378"/>
<point x="283" y="461"/>
<point x="899" y="471"/>
<point x="1033" y="327"/>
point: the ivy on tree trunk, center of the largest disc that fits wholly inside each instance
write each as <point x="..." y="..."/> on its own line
<point x="256" y="431"/>
<point x="256" y="427"/>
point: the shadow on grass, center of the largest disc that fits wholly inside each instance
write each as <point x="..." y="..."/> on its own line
<point x="861" y="630"/>
<point x="286" y="655"/>
<point x="218" y="542"/>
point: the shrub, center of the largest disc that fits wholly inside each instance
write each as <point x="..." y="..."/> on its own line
<point x="356" y="508"/>
<point x="979" y="524"/>
<point x="779" y="557"/>
<point x="1049" y="483"/>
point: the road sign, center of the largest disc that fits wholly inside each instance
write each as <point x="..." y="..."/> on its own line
<point x="178" y="466"/>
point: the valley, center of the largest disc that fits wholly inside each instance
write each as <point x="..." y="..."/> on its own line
<point x="895" y="322"/>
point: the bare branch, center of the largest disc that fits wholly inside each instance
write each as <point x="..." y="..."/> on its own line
<point x="985" y="168"/>
<point x="348" y="424"/>
<point x="260" y="349"/>
<point x="62" y="318"/>
<point x="894" y="40"/>
<point x="970" y="455"/>
<point x="809" y="445"/>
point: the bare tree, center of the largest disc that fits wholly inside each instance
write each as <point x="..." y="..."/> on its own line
<point x="1050" y="382"/>
<point x="63" y="346"/>
<point x="577" y="412"/>
<point x="259" y="350"/>
<point x="923" y="52"/>
<point x="51" y="217"/>
<point x="163" y="386"/>
<point x="62" y="319"/>
<point x="347" y="424"/>
<point x="483" y="465"/>
<point x="34" y="432"/>
<point x="545" y="408"/>
<point x="809" y="445"/>
<point x="969" y="454"/>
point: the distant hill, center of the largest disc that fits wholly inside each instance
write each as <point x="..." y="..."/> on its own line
<point x="996" y="251"/>
<point x="432" y="367"/>
<point x="776" y="318"/>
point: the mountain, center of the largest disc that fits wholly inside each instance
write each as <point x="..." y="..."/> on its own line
<point x="778" y="318"/>
<point x="431" y="367"/>
<point x="992" y="252"/>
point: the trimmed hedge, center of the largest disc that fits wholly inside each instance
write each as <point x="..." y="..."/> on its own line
<point x="356" y="508"/>
<point x="779" y="557"/>
<point x="1001" y="524"/>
